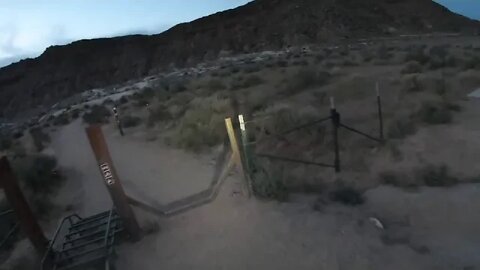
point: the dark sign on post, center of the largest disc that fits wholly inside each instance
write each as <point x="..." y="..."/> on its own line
<point x="114" y="186"/>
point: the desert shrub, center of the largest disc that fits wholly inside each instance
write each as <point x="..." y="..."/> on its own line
<point x="440" y="58"/>
<point x="417" y="53"/>
<point x="366" y="55"/>
<point x="130" y="121"/>
<point x="18" y="134"/>
<point x="472" y="63"/>
<point x="319" y="58"/>
<point x="301" y="62"/>
<point x="40" y="138"/>
<point x="203" y="124"/>
<point x="251" y="68"/>
<point x="412" y="84"/>
<point x="249" y="81"/>
<point x="107" y="101"/>
<point x="383" y="53"/>
<point x="306" y="78"/>
<point x="282" y="63"/>
<point x="38" y="173"/>
<point x="434" y="113"/>
<point x="147" y="93"/>
<point x="5" y="142"/>
<point x="286" y="118"/>
<point x="98" y="114"/>
<point x="268" y="184"/>
<point x="439" y="52"/>
<point x="234" y="70"/>
<point x="412" y="67"/>
<point x="143" y="97"/>
<point x="435" y="176"/>
<point x="401" y="127"/>
<point x="61" y="120"/>
<point x="158" y="114"/>
<point x="347" y="196"/>
<point x="393" y="178"/>
<point x="123" y="100"/>
<point x="215" y="85"/>
<point x="252" y="80"/>
<point x="349" y="63"/>
<point x="75" y="113"/>
<point x="177" y="86"/>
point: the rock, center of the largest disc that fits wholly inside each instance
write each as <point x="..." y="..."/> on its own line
<point x="376" y="223"/>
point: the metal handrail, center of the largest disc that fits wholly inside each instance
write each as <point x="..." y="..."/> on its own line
<point x="106" y="244"/>
<point x="107" y="231"/>
<point x="50" y="245"/>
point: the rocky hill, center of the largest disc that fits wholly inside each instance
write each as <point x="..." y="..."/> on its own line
<point x="259" y="25"/>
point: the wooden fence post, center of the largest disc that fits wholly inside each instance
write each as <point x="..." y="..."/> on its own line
<point x="335" y="125"/>
<point x="112" y="182"/>
<point x="380" y="115"/>
<point x="236" y="154"/>
<point x="28" y="222"/>
<point x="247" y="155"/>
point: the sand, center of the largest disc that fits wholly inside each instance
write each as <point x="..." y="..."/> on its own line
<point x="432" y="228"/>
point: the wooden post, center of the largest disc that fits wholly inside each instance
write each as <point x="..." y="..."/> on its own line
<point x="246" y="152"/>
<point x="380" y="115"/>
<point x="335" y="125"/>
<point x="117" y="120"/>
<point x="236" y="152"/>
<point x="28" y="222"/>
<point x="114" y="186"/>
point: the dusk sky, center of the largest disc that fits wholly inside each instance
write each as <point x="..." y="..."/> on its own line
<point x="28" y="27"/>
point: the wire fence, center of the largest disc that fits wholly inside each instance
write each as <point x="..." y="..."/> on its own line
<point x="250" y="148"/>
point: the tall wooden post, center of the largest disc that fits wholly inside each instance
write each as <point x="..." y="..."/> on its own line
<point x="28" y="222"/>
<point x="117" y="120"/>
<point x="247" y="158"/>
<point x="236" y="154"/>
<point x="380" y="115"/>
<point x="335" y="116"/>
<point x="114" y="186"/>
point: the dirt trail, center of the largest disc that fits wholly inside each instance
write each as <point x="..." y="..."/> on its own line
<point x="424" y="230"/>
<point x="149" y="171"/>
<point x="433" y="228"/>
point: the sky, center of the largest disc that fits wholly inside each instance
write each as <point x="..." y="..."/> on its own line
<point x="28" y="27"/>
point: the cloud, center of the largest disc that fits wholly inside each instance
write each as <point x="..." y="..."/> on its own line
<point x="17" y="43"/>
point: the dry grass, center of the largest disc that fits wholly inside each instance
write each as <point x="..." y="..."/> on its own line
<point x="157" y="114"/>
<point x="305" y="78"/>
<point x="129" y="121"/>
<point x="435" y="113"/>
<point x="202" y="125"/>
<point x="98" y="114"/>
<point x="412" y="67"/>
<point x="40" y="138"/>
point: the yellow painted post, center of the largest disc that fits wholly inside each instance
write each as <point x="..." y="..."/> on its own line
<point x="236" y="152"/>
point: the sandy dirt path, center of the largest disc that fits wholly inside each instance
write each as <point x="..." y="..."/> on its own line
<point x="424" y="230"/>
<point x="149" y="171"/>
<point x="433" y="228"/>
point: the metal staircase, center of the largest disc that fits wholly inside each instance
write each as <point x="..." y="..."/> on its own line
<point x="86" y="242"/>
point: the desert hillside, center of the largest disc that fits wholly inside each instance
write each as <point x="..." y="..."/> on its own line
<point x="64" y="70"/>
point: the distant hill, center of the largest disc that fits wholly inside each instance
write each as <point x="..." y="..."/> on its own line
<point x="262" y="24"/>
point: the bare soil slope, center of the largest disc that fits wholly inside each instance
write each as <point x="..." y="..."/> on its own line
<point x="63" y="70"/>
